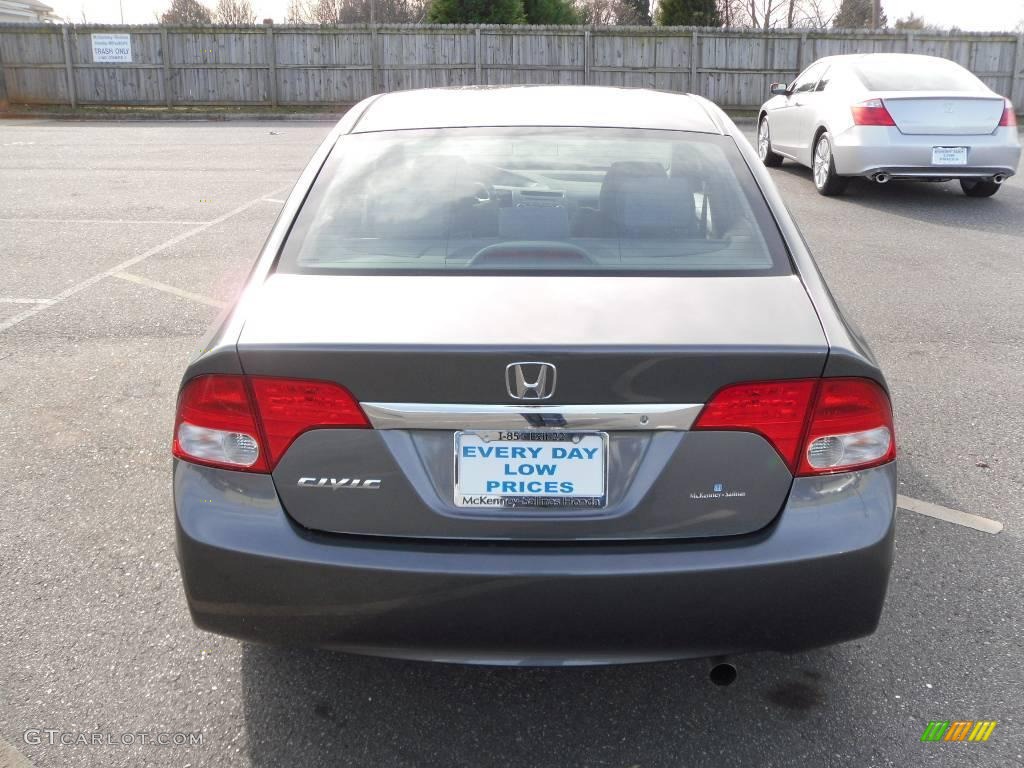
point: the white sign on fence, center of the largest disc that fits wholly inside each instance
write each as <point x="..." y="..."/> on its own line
<point x="112" y="48"/>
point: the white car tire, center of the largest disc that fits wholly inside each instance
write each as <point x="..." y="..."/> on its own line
<point x="764" y="145"/>
<point x="823" y="168"/>
<point x="979" y="187"/>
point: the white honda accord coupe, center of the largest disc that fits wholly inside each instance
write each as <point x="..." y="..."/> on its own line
<point x="891" y="116"/>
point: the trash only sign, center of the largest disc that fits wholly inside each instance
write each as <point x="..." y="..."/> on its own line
<point x="112" y="48"/>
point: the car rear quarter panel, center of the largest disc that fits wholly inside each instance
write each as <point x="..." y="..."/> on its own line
<point x="849" y="353"/>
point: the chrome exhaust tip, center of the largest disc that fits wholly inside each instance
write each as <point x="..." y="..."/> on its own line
<point x="723" y="674"/>
<point x="999" y="178"/>
<point x="881" y="178"/>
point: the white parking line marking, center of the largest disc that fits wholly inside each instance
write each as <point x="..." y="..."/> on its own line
<point x="12" y="758"/>
<point x="966" y="519"/>
<point x="101" y="221"/>
<point x="89" y="282"/>
<point x="170" y="289"/>
<point x="272" y="200"/>
<point x="6" y="300"/>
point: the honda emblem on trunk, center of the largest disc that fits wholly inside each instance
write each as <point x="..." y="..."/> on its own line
<point x="530" y="381"/>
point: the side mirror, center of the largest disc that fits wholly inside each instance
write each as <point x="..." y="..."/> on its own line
<point x="778" y="89"/>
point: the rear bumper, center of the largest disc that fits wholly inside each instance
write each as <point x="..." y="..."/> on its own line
<point x="815" y="576"/>
<point x="867" y="150"/>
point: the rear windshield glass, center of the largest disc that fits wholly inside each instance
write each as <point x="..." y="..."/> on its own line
<point x="534" y="199"/>
<point x="912" y="73"/>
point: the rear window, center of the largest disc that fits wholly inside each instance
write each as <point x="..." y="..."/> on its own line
<point x="529" y="200"/>
<point x="912" y="73"/>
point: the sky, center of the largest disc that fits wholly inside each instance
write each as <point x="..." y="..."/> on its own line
<point x="980" y="15"/>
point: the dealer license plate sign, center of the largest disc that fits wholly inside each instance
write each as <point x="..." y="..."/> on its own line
<point x="949" y="155"/>
<point x="499" y="469"/>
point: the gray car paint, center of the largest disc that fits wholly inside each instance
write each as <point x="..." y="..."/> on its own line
<point x="529" y="311"/>
<point x="661" y="485"/>
<point x="816" y="575"/>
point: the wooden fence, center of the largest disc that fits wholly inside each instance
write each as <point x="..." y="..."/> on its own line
<point x="312" y="65"/>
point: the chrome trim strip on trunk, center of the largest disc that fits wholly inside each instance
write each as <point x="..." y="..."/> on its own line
<point x="455" y="416"/>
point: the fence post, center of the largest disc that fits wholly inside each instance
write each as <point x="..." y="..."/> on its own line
<point x="1018" y="66"/>
<point x="165" y="60"/>
<point x="374" y="66"/>
<point x="694" y="53"/>
<point x="69" y="67"/>
<point x="586" y="56"/>
<point x="4" y="104"/>
<point x="272" y="61"/>
<point x="479" y="49"/>
<point x="801" y="54"/>
<point x="910" y="41"/>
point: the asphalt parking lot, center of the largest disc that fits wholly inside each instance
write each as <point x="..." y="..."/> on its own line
<point x="118" y="243"/>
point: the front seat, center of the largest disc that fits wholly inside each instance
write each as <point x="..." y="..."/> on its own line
<point x="640" y="200"/>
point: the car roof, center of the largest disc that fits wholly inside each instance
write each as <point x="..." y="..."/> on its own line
<point x="537" y="105"/>
<point x="851" y="57"/>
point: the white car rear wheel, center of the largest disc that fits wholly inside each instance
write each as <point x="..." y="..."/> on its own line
<point x="978" y="187"/>
<point x="823" y="167"/>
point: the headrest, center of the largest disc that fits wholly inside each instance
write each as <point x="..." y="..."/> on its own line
<point x="657" y="207"/>
<point x="617" y="175"/>
<point x="640" y="199"/>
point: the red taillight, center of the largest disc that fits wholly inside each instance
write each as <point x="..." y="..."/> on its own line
<point x="871" y="112"/>
<point x="1009" y="118"/>
<point x="776" y="410"/>
<point x="850" y="428"/>
<point x="216" y="424"/>
<point x="817" y="426"/>
<point x="289" y="407"/>
<point x="247" y="423"/>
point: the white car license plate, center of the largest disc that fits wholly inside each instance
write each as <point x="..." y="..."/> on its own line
<point x="531" y="469"/>
<point x="949" y="155"/>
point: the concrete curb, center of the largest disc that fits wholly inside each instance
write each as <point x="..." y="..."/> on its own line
<point x="149" y="115"/>
<point x="14" y="114"/>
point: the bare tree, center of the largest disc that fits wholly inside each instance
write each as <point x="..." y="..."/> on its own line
<point x="596" y="12"/>
<point x="609" y="12"/>
<point x="815" y="14"/>
<point x="766" y="14"/>
<point x="297" y="12"/>
<point x="759" y="14"/>
<point x="358" y="11"/>
<point x="234" y="12"/>
<point x="186" y="12"/>
<point x="911" y="21"/>
<point x="733" y="12"/>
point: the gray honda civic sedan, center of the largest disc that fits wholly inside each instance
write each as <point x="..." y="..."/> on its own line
<point x="535" y="375"/>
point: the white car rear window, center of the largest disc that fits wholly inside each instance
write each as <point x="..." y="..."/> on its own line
<point x="913" y="73"/>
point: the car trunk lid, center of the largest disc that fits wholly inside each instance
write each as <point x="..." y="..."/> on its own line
<point x="623" y="347"/>
<point x="943" y="113"/>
